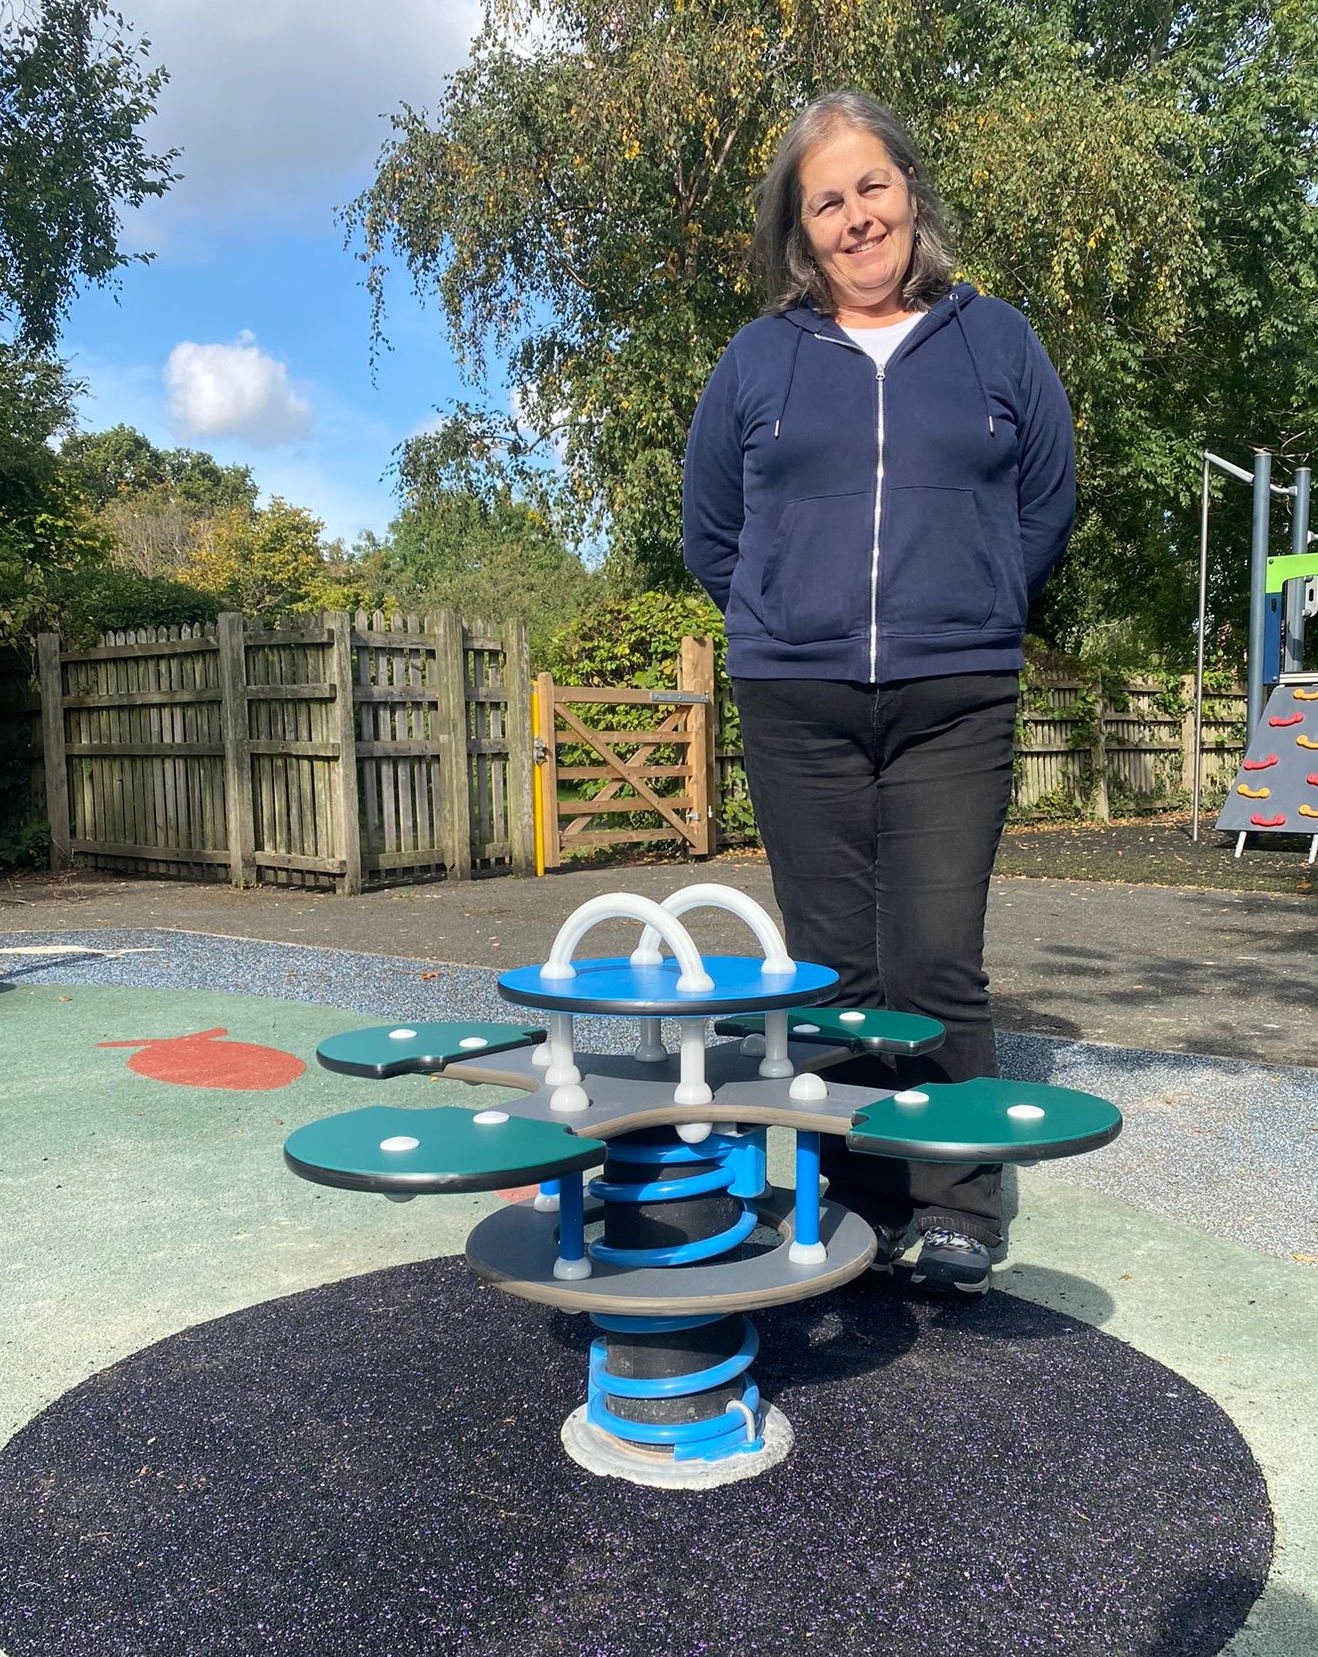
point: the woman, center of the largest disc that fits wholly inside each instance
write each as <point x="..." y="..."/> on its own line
<point x="879" y="477"/>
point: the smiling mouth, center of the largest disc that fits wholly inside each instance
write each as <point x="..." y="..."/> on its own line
<point x="866" y="247"/>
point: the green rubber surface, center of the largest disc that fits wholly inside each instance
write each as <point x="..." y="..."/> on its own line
<point x="404" y="1049"/>
<point x="410" y="1152"/>
<point x="863" y="1030"/>
<point x="989" y="1120"/>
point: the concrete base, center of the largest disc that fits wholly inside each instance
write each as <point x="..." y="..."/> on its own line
<point x="601" y="1453"/>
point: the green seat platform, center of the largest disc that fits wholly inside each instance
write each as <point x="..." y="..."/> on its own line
<point x="387" y="1050"/>
<point x="439" y="1149"/>
<point x="861" y="1030"/>
<point x="989" y="1120"/>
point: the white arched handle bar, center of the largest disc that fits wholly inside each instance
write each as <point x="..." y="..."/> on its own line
<point x="613" y="906"/>
<point x="710" y="896"/>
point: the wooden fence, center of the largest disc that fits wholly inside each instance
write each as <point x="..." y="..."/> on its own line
<point x="332" y="751"/>
<point x="217" y="753"/>
<point x="1083" y="748"/>
<point x="1123" y="745"/>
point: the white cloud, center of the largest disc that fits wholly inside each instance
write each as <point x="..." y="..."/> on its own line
<point x="277" y="104"/>
<point x="234" y="391"/>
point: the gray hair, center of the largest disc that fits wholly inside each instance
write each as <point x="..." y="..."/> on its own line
<point x="781" y="251"/>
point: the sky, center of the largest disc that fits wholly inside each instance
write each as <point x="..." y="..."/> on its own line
<point x="248" y="334"/>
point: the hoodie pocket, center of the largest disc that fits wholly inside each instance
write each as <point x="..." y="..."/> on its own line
<point x="816" y="582"/>
<point x="935" y="573"/>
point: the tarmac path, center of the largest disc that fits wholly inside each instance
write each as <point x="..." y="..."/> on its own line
<point x="1173" y="969"/>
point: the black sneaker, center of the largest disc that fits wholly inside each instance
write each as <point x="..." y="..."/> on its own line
<point x="891" y="1246"/>
<point x="951" y="1262"/>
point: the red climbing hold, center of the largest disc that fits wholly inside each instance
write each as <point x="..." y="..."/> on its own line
<point x="1312" y="778"/>
<point x="1259" y="764"/>
<point x="1290" y="719"/>
<point x="203" y="1060"/>
<point x="1260" y="821"/>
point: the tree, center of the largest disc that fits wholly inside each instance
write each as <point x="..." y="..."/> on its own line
<point x="57" y="570"/>
<point x="74" y="94"/>
<point x="47" y="540"/>
<point x="580" y="207"/>
<point x="465" y="540"/>
<point x="260" y="562"/>
<point x="154" y="502"/>
<point x="121" y="464"/>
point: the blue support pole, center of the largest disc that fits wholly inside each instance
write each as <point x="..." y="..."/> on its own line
<point x="571" y="1218"/>
<point x="807" y="1188"/>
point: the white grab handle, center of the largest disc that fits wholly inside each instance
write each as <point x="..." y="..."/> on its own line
<point x="708" y="895"/>
<point x="614" y="906"/>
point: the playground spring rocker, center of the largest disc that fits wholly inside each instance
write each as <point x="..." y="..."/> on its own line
<point x="680" y="1235"/>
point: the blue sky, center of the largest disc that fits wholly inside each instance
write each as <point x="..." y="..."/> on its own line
<point x="248" y="334"/>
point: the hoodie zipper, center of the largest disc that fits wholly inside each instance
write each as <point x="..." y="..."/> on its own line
<point x="879" y="373"/>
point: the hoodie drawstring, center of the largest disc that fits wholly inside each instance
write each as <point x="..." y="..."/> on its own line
<point x="791" y="375"/>
<point x="979" y="378"/>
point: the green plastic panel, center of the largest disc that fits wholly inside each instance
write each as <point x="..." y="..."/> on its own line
<point x="408" y="1152"/>
<point x="989" y="1120"/>
<point x="402" y="1049"/>
<point x="862" y="1030"/>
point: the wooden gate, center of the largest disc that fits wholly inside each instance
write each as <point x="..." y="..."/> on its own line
<point x="645" y="756"/>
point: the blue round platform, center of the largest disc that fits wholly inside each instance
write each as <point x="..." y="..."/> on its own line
<point x="611" y="984"/>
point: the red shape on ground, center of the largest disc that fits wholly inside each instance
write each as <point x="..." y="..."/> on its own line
<point x="517" y="1193"/>
<point x="1259" y="764"/>
<point x="204" y="1060"/>
<point x="1290" y="719"/>
<point x="1260" y="821"/>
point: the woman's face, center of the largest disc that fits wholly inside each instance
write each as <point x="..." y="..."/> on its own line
<point x="859" y="218"/>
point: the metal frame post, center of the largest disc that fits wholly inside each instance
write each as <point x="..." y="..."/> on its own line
<point x="1293" y="657"/>
<point x="1258" y="590"/>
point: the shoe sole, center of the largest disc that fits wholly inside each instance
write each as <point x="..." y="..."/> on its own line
<point x="943" y="1286"/>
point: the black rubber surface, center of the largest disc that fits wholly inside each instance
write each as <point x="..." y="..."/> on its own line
<point x="374" y="1468"/>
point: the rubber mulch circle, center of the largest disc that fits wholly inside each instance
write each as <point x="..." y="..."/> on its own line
<point x="374" y="1468"/>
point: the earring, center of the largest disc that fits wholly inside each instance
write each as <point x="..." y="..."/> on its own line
<point x="915" y="239"/>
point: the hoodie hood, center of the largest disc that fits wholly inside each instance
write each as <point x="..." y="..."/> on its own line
<point x="808" y="317"/>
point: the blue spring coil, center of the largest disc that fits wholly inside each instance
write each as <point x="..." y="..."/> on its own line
<point x="739" y="1170"/>
<point x="728" y="1175"/>
<point x="718" y="1435"/>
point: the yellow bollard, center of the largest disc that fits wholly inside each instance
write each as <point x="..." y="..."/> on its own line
<point x="537" y="788"/>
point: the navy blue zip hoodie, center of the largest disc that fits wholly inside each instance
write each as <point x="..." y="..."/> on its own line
<point x="878" y="526"/>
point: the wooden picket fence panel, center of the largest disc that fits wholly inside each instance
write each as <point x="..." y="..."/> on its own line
<point x="1119" y="745"/>
<point x="328" y="751"/>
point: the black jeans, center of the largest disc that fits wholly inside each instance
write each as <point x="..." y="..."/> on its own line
<point x="881" y="808"/>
